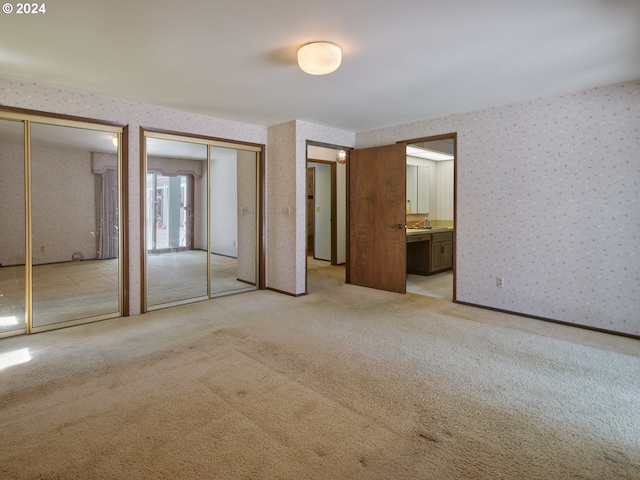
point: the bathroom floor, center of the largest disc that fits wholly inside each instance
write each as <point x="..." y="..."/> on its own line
<point x="439" y="285"/>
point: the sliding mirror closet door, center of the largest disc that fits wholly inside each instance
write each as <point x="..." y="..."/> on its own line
<point x="233" y="207"/>
<point x="75" y="225"/>
<point x="12" y="230"/>
<point x="175" y="222"/>
<point x="201" y="218"/>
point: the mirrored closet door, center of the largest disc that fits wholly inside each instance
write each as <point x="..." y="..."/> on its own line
<point x="74" y="224"/>
<point x="201" y="218"/>
<point x="175" y="221"/>
<point x="60" y="209"/>
<point x="12" y="232"/>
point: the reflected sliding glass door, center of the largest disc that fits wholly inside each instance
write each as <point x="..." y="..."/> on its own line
<point x="201" y="218"/>
<point x="175" y="222"/>
<point x="60" y="210"/>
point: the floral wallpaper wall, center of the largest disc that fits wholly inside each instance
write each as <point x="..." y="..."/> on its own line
<point x="45" y="98"/>
<point x="63" y="205"/>
<point x="548" y="199"/>
<point x="286" y="199"/>
<point x="281" y="208"/>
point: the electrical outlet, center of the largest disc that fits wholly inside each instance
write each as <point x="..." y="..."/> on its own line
<point x="500" y="282"/>
<point x="42" y="248"/>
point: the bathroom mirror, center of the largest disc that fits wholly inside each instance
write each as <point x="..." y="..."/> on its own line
<point x="422" y="165"/>
<point x="417" y="188"/>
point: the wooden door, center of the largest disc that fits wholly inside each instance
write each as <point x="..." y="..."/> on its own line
<point x="377" y="236"/>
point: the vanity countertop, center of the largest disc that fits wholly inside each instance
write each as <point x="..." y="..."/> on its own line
<point x="417" y="231"/>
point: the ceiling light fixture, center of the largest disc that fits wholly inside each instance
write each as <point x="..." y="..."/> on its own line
<point x="341" y="156"/>
<point x="319" y="58"/>
<point x="429" y="154"/>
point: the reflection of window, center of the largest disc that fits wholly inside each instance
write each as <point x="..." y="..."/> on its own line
<point x="168" y="222"/>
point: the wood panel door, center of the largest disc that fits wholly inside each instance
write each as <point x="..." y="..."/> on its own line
<point x="377" y="236"/>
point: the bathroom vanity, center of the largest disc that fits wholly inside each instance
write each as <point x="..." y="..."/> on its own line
<point x="429" y="251"/>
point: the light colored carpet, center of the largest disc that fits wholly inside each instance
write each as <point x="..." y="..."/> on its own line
<point x="343" y="383"/>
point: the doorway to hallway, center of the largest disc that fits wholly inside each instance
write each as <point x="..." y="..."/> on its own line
<point x="325" y="209"/>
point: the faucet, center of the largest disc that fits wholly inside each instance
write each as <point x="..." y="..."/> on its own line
<point x="425" y="221"/>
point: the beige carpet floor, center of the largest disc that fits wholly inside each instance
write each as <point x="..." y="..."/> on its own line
<point x="344" y="383"/>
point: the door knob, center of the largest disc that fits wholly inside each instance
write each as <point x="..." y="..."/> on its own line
<point x="400" y="225"/>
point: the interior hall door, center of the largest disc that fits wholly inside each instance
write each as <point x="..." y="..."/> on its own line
<point x="377" y="236"/>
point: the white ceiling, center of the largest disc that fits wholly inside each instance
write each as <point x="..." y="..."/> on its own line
<point x="403" y="60"/>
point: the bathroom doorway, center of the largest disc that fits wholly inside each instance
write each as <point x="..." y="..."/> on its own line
<point x="380" y="255"/>
<point x="431" y="200"/>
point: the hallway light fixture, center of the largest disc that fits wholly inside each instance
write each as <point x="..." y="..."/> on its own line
<point x="319" y="58"/>
<point x="341" y="156"/>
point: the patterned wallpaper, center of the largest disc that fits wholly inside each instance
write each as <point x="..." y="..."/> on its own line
<point x="547" y="197"/>
<point x="63" y="205"/>
<point x="286" y="200"/>
<point x="12" y="205"/>
<point x="281" y="208"/>
<point x="45" y="98"/>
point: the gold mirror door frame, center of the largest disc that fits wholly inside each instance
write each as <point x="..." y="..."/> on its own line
<point x="201" y="220"/>
<point x="71" y="227"/>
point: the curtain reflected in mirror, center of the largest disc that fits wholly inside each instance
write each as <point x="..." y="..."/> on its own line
<point x="201" y="213"/>
<point x="175" y="221"/>
<point x="74" y="223"/>
<point x="12" y="232"/>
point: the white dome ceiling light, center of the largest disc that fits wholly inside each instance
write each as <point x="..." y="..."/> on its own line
<point x="319" y="58"/>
